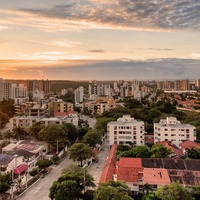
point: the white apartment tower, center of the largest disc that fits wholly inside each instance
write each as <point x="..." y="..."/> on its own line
<point x="78" y="94"/>
<point x="126" y="130"/>
<point x="171" y="129"/>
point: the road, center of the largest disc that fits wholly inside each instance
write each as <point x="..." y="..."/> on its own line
<point x="91" y="121"/>
<point x="40" y="191"/>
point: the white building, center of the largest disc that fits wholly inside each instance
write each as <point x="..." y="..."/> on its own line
<point x="26" y="122"/>
<point x="126" y="130"/>
<point x="78" y="95"/>
<point x="171" y="129"/>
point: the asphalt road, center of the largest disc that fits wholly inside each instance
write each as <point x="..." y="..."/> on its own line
<point x="91" y="121"/>
<point x="40" y="191"/>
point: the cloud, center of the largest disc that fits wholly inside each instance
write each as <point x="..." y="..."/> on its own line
<point x="149" y="15"/>
<point x="97" y="51"/>
<point x="108" y="70"/>
<point x="49" y="56"/>
<point x="3" y="28"/>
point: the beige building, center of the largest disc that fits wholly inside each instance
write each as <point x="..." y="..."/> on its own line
<point x="126" y="130"/>
<point x="171" y="129"/>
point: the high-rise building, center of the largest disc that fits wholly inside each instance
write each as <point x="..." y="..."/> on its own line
<point x="197" y="83"/>
<point x="185" y="84"/>
<point x="78" y="95"/>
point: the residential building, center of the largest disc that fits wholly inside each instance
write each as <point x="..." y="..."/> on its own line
<point x="157" y="172"/>
<point x="78" y="95"/>
<point x="171" y="129"/>
<point x="59" y="106"/>
<point x="126" y="130"/>
<point x="26" y="122"/>
<point x="197" y="83"/>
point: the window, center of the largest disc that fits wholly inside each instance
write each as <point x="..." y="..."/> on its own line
<point x="166" y="134"/>
<point x="165" y="129"/>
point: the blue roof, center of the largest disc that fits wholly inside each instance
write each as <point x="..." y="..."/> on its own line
<point x="5" y="159"/>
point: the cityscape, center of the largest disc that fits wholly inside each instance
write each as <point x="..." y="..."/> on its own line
<point x="99" y="100"/>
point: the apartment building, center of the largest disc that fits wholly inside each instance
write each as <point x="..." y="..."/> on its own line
<point x="26" y="122"/>
<point x="126" y="130"/>
<point x="170" y="129"/>
<point x="59" y="106"/>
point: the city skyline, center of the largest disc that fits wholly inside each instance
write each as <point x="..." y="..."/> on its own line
<point x="102" y="40"/>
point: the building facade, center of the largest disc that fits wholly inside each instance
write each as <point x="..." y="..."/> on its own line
<point x="171" y="129"/>
<point x="126" y="130"/>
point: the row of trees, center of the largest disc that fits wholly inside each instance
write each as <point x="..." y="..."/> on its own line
<point x="156" y="151"/>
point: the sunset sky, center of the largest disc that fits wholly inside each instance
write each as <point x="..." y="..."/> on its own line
<point x="99" y="39"/>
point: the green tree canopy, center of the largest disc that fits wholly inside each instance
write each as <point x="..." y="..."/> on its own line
<point x="5" y="182"/>
<point x="43" y="164"/>
<point x="72" y="132"/>
<point x="4" y="119"/>
<point x="115" y="190"/>
<point x="35" y="129"/>
<point x="160" y="151"/>
<point x="79" y="152"/>
<point x="54" y="134"/>
<point x="92" y="137"/>
<point x="71" y="183"/>
<point x="7" y="107"/>
<point x="174" y="191"/>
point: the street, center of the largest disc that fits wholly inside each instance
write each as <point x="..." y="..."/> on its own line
<point x="91" y="121"/>
<point x="40" y="191"/>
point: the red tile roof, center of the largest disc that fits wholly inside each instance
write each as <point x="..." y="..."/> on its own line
<point x="175" y="150"/>
<point x="21" y="168"/>
<point x="129" y="162"/>
<point x="109" y="167"/>
<point x="129" y="174"/>
<point x="65" y="114"/>
<point x="189" y="144"/>
<point x="156" y="176"/>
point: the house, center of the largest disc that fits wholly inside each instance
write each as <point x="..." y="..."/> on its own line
<point x="176" y="152"/>
<point x="188" y="145"/>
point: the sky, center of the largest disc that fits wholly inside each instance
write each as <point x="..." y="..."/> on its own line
<point x="99" y="39"/>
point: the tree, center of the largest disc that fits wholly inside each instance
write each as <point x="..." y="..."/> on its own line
<point x="193" y="153"/>
<point x="136" y="152"/>
<point x="174" y="191"/>
<point x="196" y="192"/>
<point x="71" y="183"/>
<point x="102" y="122"/>
<point x="85" y="178"/>
<point x="92" y="137"/>
<point x="4" y="119"/>
<point x="72" y="132"/>
<point x="150" y="196"/>
<point x="54" y="135"/>
<point x="19" y="133"/>
<point x="79" y="152"/>
<point x="43" y="164"/>
<point x="115" y="190"/>
<point x="82" y="131"/>
<point x="160" y="151"/>
<point x="35" y="129"/>
<point x="5" y="182"/>
<point x="68" y="190"/>
<point x="7" y="107"/>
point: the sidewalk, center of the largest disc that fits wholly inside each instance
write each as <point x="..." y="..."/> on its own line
<point x="97" y="167"/>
